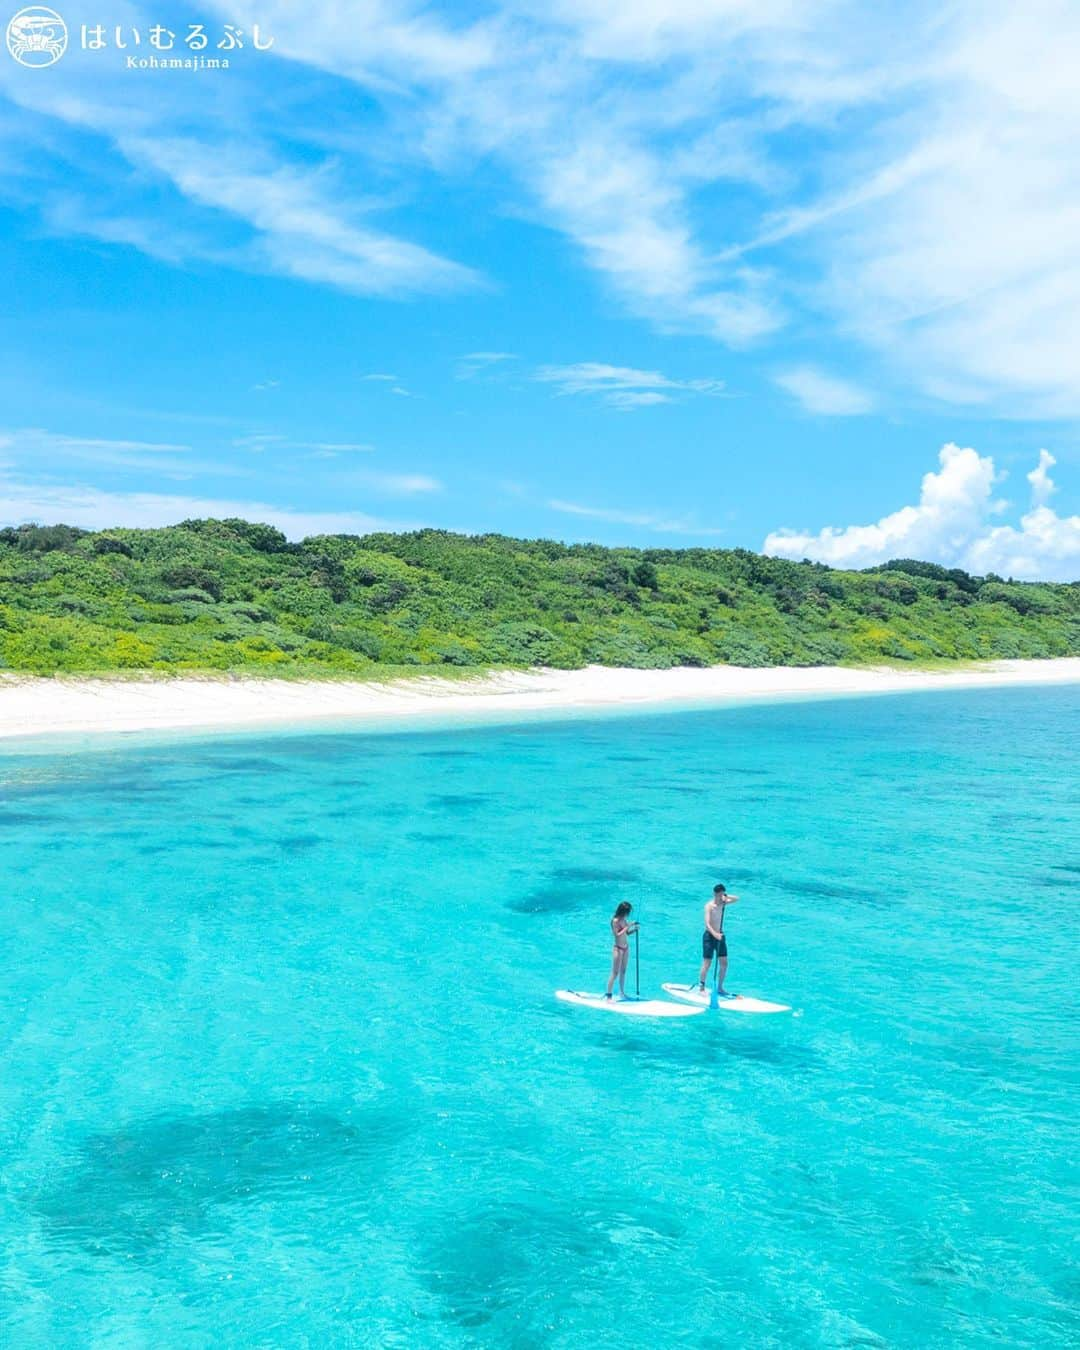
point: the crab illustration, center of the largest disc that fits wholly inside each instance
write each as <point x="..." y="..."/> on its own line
<point x="37" y="37"/>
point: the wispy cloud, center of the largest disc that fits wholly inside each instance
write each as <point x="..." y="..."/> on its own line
<point x="475" y="365"/>
<point x="46" y="451"/>
<point x="647" y="520"/>
<point x="224" y="191"/>
<point x="258" y="442"/>
<point x="721" y="167"/>
<point x="827" y="395"/>
<point x="56" y="441"/>
<point x="397" y="484"/>
<point x="94" y="509"/>
<point x="952" y="523"/>
<point x="951" y="249"/>
<point x="302" y="229"/>
<point x="622" y="387"/>
<point x="331" y="449"/>
<point x="394" y="384"/>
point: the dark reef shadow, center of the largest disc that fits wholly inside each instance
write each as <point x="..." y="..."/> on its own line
<point x="597" y="874"/>
<point x="708" y="1051"/>
<point x="835" y="890"/>
<point x="127" y="1191"/>
<point x="501" y="1262"/>
<point x="553" y="900"/>
<point x="461" y="800"/>
<point x="299" y="843"/>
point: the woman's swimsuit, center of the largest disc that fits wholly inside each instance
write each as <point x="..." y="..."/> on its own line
<point x="620" y="938"/>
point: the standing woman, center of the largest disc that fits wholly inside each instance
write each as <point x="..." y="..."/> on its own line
<point x="620" y="928"/>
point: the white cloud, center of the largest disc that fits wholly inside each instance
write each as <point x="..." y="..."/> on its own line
<point x="379" y="377"/>
<point x="1042" y="485"/>
<point x="475" y="365"/>
<point x="825" y="394"/>
<point x="952" y="524"/>
<point x="55" y="441"/>
<point x="643" y="519"/>
<point x="622" y="205"/>
<point x="622" y="387"/>
<point x="45" y="451"/>
<point x="250" y="190"/>
<point x="907" y="173"/>
<point x="94" y="509"/>
<point x="904" y="176"/>
<point x="397" y="484"/>
<point x="302" y="227"/>
<point x="259" y="441"/>
<point x="1045" y="545"/>
<point x="596" y="149"/>
<point x="331" y="449"/>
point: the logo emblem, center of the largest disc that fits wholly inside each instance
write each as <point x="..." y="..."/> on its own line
<point x="37" y="36"/>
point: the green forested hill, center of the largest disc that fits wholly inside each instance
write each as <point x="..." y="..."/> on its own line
<point x="231" y="595"/>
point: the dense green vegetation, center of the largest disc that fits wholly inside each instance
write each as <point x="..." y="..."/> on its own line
<point x="229" y="595"/>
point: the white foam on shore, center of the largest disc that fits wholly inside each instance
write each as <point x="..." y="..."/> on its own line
<point x="31" y="707"/>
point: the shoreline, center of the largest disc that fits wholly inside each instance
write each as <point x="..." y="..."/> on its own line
<point x="32" y="707"/>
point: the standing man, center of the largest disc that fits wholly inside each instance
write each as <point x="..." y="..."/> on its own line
<point x="713" y="942"/>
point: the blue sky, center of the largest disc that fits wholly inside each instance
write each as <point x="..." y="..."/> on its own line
<point x="793" y="276"/>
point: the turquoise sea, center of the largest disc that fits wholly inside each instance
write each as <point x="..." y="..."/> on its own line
<point x="280" y="1063"/>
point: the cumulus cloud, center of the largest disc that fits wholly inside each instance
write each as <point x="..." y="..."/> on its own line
<point x="819" y="392"/>
<point x="622" y="387"/>
<point x="1044" y="545"/>
<point x="952" y="524"/>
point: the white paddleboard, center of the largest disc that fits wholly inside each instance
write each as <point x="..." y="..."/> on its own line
<point x="740" y="1003"/>
<point x="627" y="1007"/>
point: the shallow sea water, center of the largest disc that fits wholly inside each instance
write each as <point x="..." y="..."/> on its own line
<point x="280" y="1062"/>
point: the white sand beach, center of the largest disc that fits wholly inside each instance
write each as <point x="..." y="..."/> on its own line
<point x="66" y="706"/>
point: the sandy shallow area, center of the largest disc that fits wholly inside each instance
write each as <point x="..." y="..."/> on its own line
<point x="36" y="707"/>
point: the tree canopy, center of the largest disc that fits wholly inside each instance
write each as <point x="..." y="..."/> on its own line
<point x="232" y="595"/>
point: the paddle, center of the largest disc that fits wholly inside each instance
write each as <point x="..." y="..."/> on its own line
<point x="714" y="997"/>
<point x="637" y="966"/>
